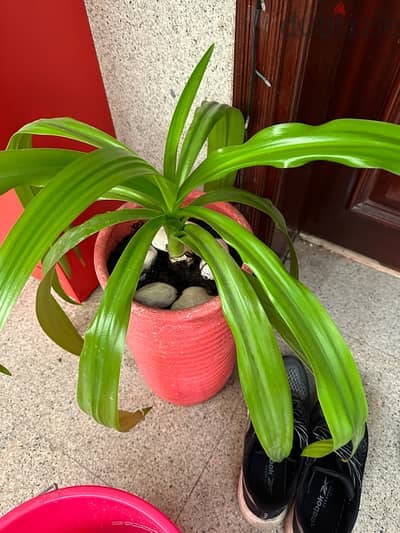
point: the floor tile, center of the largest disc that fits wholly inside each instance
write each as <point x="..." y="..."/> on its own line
<point x="173" y="442"/>
<point x="41" y="394"/>
<point x="364" y="302"/>
<point x="172" y="448"/>
<point x="30" y="466"/>
<point x="212" y="506"/>
<point x="380" y="506"/>
<point x="186" y="460"/>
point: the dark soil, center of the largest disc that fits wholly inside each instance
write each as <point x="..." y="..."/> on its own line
<point x="180" y="275"/>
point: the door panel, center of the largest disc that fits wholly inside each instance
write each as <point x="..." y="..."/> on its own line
<point x="360" y="209"/>
<point x="328" y="59"/>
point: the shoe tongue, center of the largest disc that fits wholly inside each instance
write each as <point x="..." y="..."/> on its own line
<point x="347" y="483"/>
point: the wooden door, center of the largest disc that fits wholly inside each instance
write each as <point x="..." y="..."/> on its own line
<point x="338" y="59"/>
<point x="357" y="209"/>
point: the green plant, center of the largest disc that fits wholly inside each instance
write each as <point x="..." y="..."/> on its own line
<point x="57" y="185"/>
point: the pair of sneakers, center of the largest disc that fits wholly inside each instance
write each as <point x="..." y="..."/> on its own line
<point x="306" y="495"/>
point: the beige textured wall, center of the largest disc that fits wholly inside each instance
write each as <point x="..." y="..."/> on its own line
<point x="146" y="51"/>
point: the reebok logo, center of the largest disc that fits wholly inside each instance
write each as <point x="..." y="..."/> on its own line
<point x="324" y="493"/>
<point x="269" y="476"/>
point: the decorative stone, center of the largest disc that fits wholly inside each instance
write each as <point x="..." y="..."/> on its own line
<point x="150" y="258"/>
<point x="157" y="294"/>
<point x="191" y="297"/>
<point x="205" y="270"/>
<point x="160" y="240"/>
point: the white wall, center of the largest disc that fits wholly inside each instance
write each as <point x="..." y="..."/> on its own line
<point x="147" y="49"/>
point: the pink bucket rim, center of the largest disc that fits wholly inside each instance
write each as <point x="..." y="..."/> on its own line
<point x="83" y="491"/>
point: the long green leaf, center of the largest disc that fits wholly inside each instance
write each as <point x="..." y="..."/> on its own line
<point x="261" y="369"/>
<point x="100" y="361"/>
<point x="126" y="194"/>
<point x="353" y="142"/>
<point x="318" y="448"/>
<point x="25" y="193"/>
<point x="77" y="234"/>
<point x="276" y="320"/>
<point x="54" y="322"/>
<point x="73" y="129"/>
<point x="205" y="121"/>
<point x="228" y="131"/>
<point x="230" y="194"/>
<point x="51" y="316"/>
<point x="143" y="192"/>
<point x="66" y="127"/>
<point x="35" y="166"/>
<point x="57" y="205"/>
<point x="25" y="170"/>
<point x="59" y="289"/>
<point x="339" y="385"/>
<point x="181" y="113"/>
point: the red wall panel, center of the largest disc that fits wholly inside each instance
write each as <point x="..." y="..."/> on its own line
<point x="49" y="68"/>
<point x="48" y="65"/>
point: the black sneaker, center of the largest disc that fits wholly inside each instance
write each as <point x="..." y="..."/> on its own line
<point x="329" y="491"/>
<point x="266" y="488"/>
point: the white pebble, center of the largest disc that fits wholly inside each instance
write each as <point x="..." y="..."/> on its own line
<point x="150" y="258"/>
<point x="205" y="270"/>
<point x="160" y="240"/>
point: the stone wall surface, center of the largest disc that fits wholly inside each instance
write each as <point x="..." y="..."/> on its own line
<point x="146" y="52"/>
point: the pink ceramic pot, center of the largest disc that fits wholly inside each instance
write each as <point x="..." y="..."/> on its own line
<point x="185" y="356"/>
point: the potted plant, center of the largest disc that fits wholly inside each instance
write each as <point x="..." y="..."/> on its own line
<point x="256" y="301"/>
<point x="185" y="353"/>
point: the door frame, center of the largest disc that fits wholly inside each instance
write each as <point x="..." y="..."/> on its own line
<point x="264" y="41"/>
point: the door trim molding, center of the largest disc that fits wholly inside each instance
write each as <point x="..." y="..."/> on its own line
<point x="281" y="57"/>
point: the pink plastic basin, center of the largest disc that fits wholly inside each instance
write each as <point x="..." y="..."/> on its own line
<point x="86" y="509"/>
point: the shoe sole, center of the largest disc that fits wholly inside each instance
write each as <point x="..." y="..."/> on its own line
<point x="289" y="522"/>
<point x="254" y="520"/>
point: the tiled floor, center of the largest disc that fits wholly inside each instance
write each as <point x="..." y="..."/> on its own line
<point x="186" y="460"/>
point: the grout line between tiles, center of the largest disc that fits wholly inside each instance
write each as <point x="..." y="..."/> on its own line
<point x="219" y="439"/>
<point x="73" y="459"/>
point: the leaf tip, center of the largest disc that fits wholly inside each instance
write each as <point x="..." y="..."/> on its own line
<point x="5" y="371"/>
<point x="128" y="420"/>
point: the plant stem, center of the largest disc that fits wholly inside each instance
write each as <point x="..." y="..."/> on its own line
<point x="175" y="246"/>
